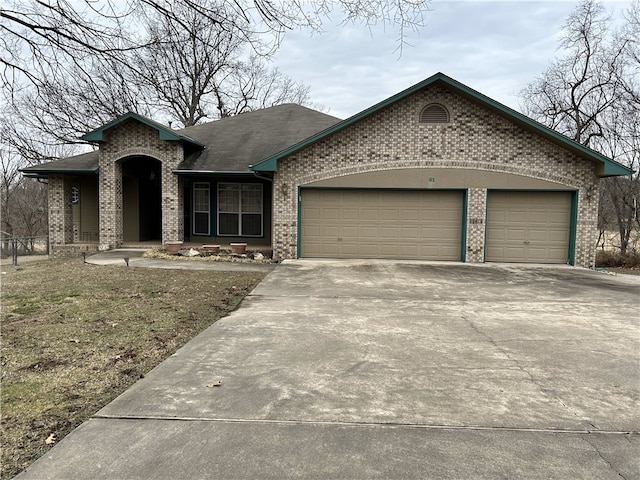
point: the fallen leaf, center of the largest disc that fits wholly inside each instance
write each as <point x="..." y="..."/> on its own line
<point x="216" y="383"/>
<point x="51" y="439"/>
<point x="73" y="340"/>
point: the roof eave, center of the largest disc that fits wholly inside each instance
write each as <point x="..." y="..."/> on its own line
<point x="43" y="173"/>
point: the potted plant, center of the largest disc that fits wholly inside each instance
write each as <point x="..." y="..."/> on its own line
<point x="173" y="248"/>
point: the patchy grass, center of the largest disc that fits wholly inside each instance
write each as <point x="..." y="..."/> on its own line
<point x="75" y="336"/>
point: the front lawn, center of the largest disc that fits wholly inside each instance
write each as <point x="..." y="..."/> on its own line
<point x="75" y="336"/>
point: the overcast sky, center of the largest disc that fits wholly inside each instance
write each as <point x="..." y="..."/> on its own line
<point x="496" y="47"/>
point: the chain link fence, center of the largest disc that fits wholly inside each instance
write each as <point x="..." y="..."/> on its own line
<point x="13" y="247"/>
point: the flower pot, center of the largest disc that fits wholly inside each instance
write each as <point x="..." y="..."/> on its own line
<point x="238" y="248"/>
<point x="173" y="248"/>
<point x="214" y="249"/>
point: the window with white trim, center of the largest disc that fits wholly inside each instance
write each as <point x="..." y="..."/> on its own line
<point x="240" y="209"/>
<point x="201" y="209"/>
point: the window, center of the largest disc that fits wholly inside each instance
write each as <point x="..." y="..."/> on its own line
<point x="201" y="209"/>
<point x="434" y="113"/>
<point x="240" y="209"/>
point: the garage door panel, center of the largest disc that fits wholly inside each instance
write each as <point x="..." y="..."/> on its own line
<point x="515" y="235"/>
<point x="381" y="224"/>
<point x="541" y="236"/>
<point x="528" y="227"/>
<point x="314" y="214"/>
<point x="389" y="233"/>
<point x="389" y="214"/>
<point x="330" y="214"/>
<point x="410" y="233"/>
<point x="329" y="231"/>
<point x="369" y="232"/>
<point x="369" y="214"/>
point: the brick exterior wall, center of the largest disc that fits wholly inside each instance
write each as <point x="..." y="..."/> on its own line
<point x="130" y="139"/>
<point x="476" y="138"/>
<point x="60" y="212"/>
<point x="476" y="221"/>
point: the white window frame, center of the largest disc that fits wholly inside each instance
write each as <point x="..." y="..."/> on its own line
<point x="239" y="211"/>
<point x="198" y="186"/>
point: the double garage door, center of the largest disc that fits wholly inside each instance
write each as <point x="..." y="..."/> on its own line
<point x="428" y="225"/>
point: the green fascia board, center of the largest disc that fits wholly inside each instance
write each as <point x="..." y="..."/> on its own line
<point x="213" y="173"/>
<point x="610" y="167"/>
<point x="164" y="132"/>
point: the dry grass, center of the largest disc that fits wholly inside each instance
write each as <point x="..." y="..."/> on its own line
<point x="74" y="336"/>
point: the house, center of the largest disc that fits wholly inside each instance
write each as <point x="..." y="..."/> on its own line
<point x="437" y="172"/>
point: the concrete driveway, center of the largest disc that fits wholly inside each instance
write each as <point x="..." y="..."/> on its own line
<point x="357" y="369"/>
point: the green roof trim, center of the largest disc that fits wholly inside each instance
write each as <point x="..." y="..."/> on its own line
<point x="165" y="133"/>
<point x="610" y="167"/>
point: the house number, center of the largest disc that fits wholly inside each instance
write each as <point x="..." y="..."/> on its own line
<point x="432" y="179"/>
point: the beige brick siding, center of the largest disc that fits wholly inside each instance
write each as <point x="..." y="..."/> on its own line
<point x="476" y="138"/>
<point x="476" y="220"/>
<point x="60" y="211"/>
<point x="126" y="140"/>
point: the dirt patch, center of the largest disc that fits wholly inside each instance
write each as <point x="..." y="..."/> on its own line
<point x="75" y="336"/>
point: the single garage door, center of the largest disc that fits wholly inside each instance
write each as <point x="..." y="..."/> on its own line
<point x="528" y="227"/>
<point x="408" y="224"/>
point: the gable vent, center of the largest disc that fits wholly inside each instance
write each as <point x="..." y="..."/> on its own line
<point x="434" y="113"/>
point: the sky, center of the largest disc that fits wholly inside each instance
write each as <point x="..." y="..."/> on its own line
<point x="496" y="47"/>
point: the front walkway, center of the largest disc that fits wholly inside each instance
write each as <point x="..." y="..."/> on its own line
<point x="135" y="258"/>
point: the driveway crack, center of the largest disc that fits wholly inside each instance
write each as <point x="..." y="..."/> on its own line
<point x="603" y="458"/>
<point x="520" y="367"/>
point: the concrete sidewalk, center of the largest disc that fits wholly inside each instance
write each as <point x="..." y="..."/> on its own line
<point x="136" y="259"/>
<point x="387" y="370"/>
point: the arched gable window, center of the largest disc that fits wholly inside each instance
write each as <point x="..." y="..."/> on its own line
<point x="434" y="113"/>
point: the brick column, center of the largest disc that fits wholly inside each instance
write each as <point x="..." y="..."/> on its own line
<point x="172" y="205"/>
<point x="587" y="224"/>
<point x="476" y="224"/>
<point x="60" y="213"/>
<point x="110" y="201"/>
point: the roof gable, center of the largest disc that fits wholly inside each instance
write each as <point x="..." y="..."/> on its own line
<point x="165" y="133"/>
<point x="609" y="167"/>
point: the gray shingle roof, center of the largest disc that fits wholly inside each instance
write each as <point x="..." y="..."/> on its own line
<point x="234" y="143"/>
<point x="85" y="163"/>
<point x="231" y="144"/>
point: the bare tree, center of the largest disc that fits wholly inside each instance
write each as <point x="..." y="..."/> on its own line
<point x="573" y="94"/>
<point x="23" y="203"/>
<point x="47" y="33"/>
<point x="590" y="94"/>
<point x="252" y="85"/>
<point x="68" y="67"/>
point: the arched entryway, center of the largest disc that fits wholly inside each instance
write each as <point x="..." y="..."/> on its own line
<point x="141" y="199"/>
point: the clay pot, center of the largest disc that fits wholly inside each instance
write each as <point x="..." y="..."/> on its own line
<point x="213" y="249"/>
<point x="173" y="248"/>
<point x="238" y="248"/>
